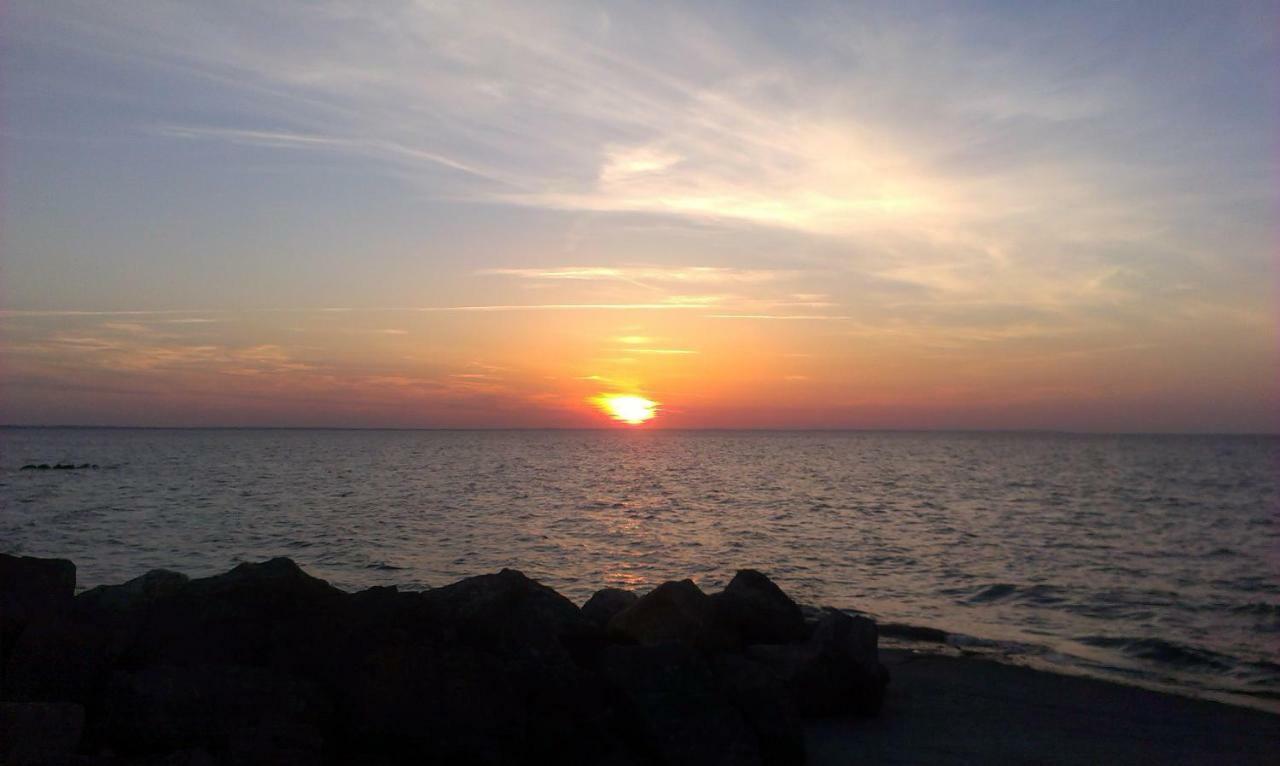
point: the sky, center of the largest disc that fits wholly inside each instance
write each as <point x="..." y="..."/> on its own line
<point x="909" y="215"/>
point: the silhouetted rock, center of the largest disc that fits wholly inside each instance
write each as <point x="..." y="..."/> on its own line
<point x="674" y="612"/>
<point x="269" y="715"/>
<point x="758" y="694"/>
<point x="835" y="671"/>
<point x="433" y="704"/>
<point x="69" y="658"/>
<point x="267" y="614"/>
<point x="31" y="590"/>
<point x="266" y="664"/>
<point x="137" y="593"/>
<point x="39" y="733"/>
<point x="481" y="671"/>
<point x="759" y="610"/>
<point x="673" y="708"/>
<point x="605" y="603"/>
<point x="509" y="612"/>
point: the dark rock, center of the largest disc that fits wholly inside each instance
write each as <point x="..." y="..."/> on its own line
<point x="837" y="670"/>
<point x="674" y="612"/>
<point x="137" y="593"/>
<point x="192" y="757"/>
<point x="31" y="590"/>
<point x="261" y="715"/>
<point x="267" y="614"/>
<point x="759" y="610"/>
<point x="432" y="704"/>
<point x="673" y="709"/>
<point x="61" y="660"/>
<point x="765" y="705"/>
<point x="266" y="664"/>
<point x="605" y="603"/>
<point x="533" y="634"/>
<point x="482" y="671"/>
<point x="39" y="733"/>
<point x="508" y="612"/>
<point x="68" y="658"/>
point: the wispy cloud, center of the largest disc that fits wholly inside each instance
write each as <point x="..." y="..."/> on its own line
<point x="378" y="148"/>
<point x="645" y="274"/>
<point x="1070" y="189"/>
<point x="803" y="317"/>
<point x="677" y="302"/>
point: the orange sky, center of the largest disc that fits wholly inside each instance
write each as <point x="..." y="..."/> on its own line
<point x="487" y="217"/>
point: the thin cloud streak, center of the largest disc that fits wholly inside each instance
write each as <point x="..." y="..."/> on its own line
<point x="56" y="313"/>
<point x="641" y="274"/>
<point x="278" y="139"/>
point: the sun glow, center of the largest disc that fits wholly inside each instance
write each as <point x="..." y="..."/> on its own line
<point x="627" y="408"/>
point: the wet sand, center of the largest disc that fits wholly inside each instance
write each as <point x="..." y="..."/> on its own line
<point x="954" y="710"/>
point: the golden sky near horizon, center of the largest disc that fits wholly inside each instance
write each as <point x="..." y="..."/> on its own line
<point x="491" y="215"/>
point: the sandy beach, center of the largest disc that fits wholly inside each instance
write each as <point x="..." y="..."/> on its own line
<point x="955" y="710"/>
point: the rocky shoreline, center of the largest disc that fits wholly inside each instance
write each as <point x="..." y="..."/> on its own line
<point x="266" y="664"/>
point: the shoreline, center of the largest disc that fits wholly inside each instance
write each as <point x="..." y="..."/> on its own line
<point x="1040" y="657"/>
<point x="266" y="662"/>
<point x="967" y="709"/>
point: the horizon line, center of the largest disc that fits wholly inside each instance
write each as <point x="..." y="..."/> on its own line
<point x="838" y="429"/>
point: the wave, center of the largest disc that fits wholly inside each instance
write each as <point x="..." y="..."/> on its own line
<point x="996" y="592"/>
<point x="1163" y="652"/>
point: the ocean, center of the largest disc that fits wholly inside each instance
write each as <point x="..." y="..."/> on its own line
<point x="1146" y="559"/>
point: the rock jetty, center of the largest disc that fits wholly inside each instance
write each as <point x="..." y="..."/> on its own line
<point x="266" y="664"/>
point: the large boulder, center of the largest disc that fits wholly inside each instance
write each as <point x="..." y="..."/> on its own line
<point x="837" y="670"/>
<point x="759" y="610"/>
<point x="481" y="671"/>
<point x="410" y="702"/>
<point x="605" y="603"/>
<point x="240" y="714"/>
<point x="672" y="709"/>
<point x="509" y="613"/>
<point x="67" y="658"/>
<point x="41" y="733"/>
<point x="769" y="711"/>
<point x="674" y="612"/>
<point x="266" y="614"/>
<point x="31" y="590"/>
<point x="138" y="593"/>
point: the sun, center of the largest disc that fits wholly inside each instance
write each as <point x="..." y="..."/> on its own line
<point x="627" y="408"/>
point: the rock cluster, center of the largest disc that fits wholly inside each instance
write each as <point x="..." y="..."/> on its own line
<point x="266" y="664"/>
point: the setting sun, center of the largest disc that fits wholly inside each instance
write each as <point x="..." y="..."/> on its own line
<point x="627" y="408"/>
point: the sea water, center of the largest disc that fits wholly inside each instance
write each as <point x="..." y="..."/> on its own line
<point x="1147" y="559"/>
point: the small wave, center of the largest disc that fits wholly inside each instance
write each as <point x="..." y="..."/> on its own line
<point x="1163" y="652"/>
<point x="1259" y="608"/>
<point x="1036" y="594"/>
<point x="997" y="592"/>
<point x="913" y="632"/>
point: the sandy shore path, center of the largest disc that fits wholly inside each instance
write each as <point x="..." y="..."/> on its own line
<point x="962" y="710"/>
